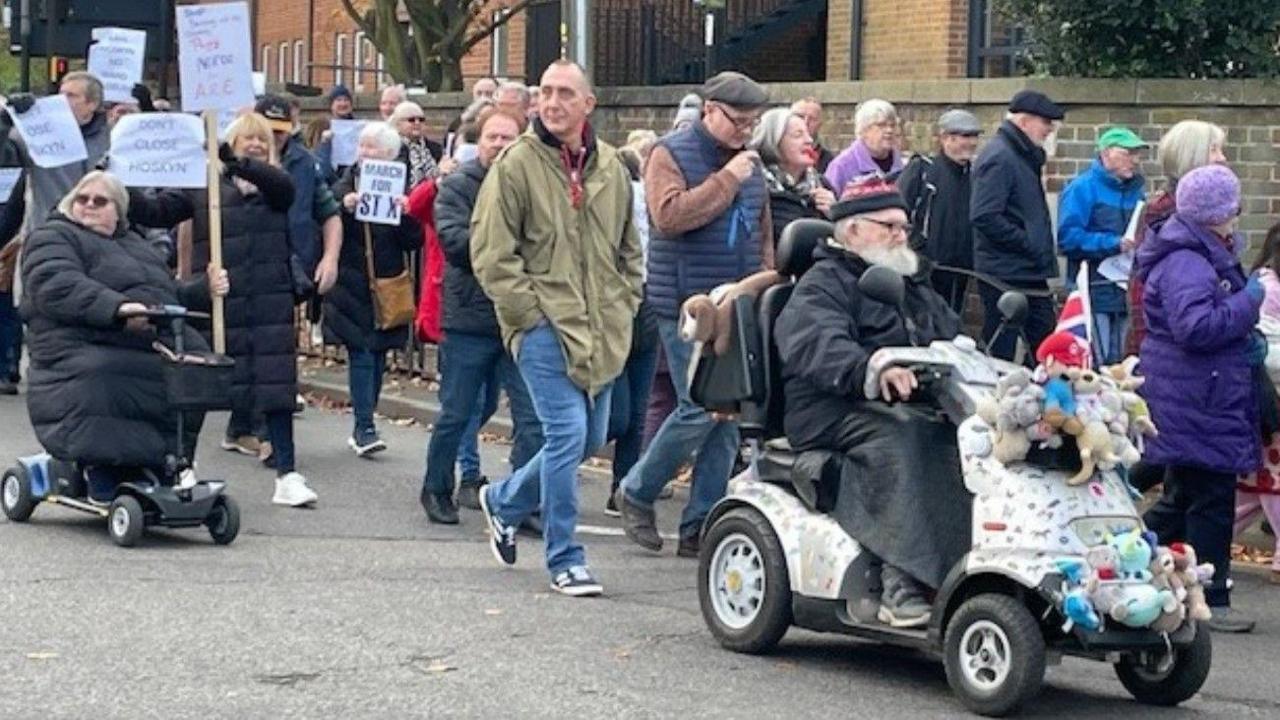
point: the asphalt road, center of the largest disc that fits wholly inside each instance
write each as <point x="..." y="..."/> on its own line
<point x="361" y="609"/>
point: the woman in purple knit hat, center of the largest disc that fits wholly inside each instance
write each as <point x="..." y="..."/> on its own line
<point x="1199" y="358"/>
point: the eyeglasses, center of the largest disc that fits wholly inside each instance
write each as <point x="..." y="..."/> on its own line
<point x="906" y="228"/>
<point x="742" y="123"/>
<point x="415" y="119"/>
<point x="96" y="202"/>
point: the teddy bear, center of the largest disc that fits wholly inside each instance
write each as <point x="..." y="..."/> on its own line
<point x="1164" y="576"/>
<point x="1012" y="413"/>
<point x="707" y="317"/>
<point x="1135" y="407"/>
<point x="1094" y="439"/>
<point x="1193" y="578"/>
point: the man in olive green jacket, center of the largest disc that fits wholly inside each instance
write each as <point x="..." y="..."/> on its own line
<point x="553" y="246"/>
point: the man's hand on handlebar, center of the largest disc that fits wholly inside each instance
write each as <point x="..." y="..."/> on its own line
<point x="134" y="315"/>
<point x="897" y="383"/>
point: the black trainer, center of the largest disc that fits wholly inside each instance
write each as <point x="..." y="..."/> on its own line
<point x="577" y="581"/>
<point x="502" y="537"/>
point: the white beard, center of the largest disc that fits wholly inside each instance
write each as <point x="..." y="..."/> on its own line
<point x="900" y="259"/>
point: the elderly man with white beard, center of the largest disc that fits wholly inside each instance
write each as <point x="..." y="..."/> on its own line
<point x="900" y="492"/>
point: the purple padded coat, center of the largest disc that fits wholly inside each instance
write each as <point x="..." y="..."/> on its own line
<point x="1199" y="320"/>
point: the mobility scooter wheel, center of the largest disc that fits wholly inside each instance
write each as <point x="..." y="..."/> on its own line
<point x="743" y="586"/>
<point x="1169" y="678"/>
<point x="994" y="654"/>
<point x="224" y="521"/>
<point x="15" y="494"/>
<point x="125" y="521"/>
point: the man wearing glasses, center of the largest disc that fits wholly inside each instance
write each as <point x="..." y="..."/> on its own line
<point x="900" y="495"/>
<point x="709" y="225"/>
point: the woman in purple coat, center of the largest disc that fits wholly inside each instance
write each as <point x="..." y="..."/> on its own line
<point x="1198" y="358"/>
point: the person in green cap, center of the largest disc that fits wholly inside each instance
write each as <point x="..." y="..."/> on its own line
<point x="1093" y="219"/>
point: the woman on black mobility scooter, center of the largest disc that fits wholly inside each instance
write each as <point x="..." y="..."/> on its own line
<point x="97" y="395"/>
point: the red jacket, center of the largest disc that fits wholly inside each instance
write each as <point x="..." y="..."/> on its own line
<point x="421" y="207"/>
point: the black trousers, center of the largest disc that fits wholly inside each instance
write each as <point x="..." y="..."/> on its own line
<point x="1198" y="507"/>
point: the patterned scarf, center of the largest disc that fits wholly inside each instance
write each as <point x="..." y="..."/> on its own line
<point x="421" y="164"/>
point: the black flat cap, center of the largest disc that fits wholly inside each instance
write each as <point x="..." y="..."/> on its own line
<point x="1036" y="103"/>
<point x="736" y="89"/>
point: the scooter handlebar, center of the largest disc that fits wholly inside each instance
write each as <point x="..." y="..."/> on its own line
<point x="161" y="312"/>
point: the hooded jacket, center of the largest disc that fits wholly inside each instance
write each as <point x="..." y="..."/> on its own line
<point x="1199" y="322"/>
<point x="1093" y="214"/>
<point x="540" y="256"/>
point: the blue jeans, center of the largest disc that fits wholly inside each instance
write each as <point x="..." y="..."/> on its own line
<point x="628" y="408"/>
<point x="687" y="430"/>
<point x="10" y="338"/>
<point x="574" y="426"/>
<point x="473" y="360"/>
<point x="469" y="448"/>
<point x="364" y="379"/>
<point x="1109" y="331"/>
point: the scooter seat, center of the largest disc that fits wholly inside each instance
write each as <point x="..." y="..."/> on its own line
<point x="813" y="475"/>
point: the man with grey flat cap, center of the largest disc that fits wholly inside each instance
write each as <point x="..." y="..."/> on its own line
<point x="1012" y="230"/>
<point x="709" y="225"/>
<point x="936" y="189"/>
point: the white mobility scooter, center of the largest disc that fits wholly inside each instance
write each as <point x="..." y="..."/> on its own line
<point x="771" y="557"/>
<point x="145" y="497"/>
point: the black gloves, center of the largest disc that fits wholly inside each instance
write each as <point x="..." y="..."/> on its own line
<point x="21" y="102"/>
<point x="142" y="94"/>
<point x="230" y="162"/>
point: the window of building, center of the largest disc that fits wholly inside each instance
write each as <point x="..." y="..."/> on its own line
<point x="383" y="80"/>
<point x="358" y="61"/>
<point x="282" y="72"/>
<point x="498" y="46"/>
<point x="339" y="58"/>
<point x="299" y="57"/>
<point x="264" y="59"/>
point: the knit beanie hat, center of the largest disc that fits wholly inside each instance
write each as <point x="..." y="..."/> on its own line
<point x="867" y="196"/>
<point x="339" y="91"/>
<point x="1208" y="195"/>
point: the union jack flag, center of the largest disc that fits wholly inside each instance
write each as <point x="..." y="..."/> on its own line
<point x="1077" y="314"/>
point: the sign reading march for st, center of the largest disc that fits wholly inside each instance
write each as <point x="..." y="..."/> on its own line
<point x="214" y="56"/>
<point x="50" y="132"/>
<point x="159" y="150"/>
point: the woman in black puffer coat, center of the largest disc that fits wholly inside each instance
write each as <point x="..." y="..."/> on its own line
<point x="256" y="195"/>
<point x="796" y="189"/>
<point x="96" y="393"/>
<point x="348" y="307"/>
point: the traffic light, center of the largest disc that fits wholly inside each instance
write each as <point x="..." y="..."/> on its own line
<point x="57" y="69"/>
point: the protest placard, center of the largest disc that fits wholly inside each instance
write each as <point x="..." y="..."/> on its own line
<point x="346" y="136"/>
<point x="214" y="56"/>
<point x="51" y="133"/>
<point x="8" y="179"/>
<point x="159" y="150"/>
<point x="116" y="58"/>
<point x="381" y="187"/>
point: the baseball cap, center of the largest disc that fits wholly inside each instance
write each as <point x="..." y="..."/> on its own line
<point x="1121" y="137"/>
<point x="277" y="112"/>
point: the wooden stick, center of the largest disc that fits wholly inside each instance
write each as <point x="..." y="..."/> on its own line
<point x="215" y="224"/>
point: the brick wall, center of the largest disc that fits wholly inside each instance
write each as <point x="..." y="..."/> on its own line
<point x="901" y="39"/>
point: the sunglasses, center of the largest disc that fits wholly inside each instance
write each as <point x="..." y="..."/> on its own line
<point x="415" y="119"/>
<point x="96" y="202"/>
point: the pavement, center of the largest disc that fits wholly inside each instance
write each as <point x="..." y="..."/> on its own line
<point x="360" y="608"/>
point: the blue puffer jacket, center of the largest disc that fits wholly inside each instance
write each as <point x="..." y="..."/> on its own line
<point x="1093" y="214"/>
<point x="1199" y="321"/>
<point x="725" y="250"/>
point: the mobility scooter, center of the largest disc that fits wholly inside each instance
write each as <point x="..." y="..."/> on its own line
<point x="771" y="556"/>
<point x="148" y="497"/>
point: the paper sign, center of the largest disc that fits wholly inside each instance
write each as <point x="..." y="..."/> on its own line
<point x="51" y="132"/>
<point x="116" y="58"/>
<point x="346" y="136"/>
<point x="8" y="179"/>
<point x="214" y="56"/>
<point x="1117" y="268"/>
<point x="159" y="150"/>
<point x="259" y="84"/>
<point x="225" y="118"/>
<point x="381" y="187"/>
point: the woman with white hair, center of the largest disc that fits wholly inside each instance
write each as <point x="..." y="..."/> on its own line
<point x="874" y="152"/>
<point x="1184" y="147"/>
<point x="796" y="188"/>
<point x="256" y="194"/>
<point x="368" y="249"/>
<point x="96" y="393"/>
<point x="418" y="152"/>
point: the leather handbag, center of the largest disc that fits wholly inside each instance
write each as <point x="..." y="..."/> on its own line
<point x="392" y="296"/>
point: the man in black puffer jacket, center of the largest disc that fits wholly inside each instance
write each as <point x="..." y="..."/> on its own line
<point x="472" y="342"/>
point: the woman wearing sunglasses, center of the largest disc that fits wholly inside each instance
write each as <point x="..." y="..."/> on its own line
<point x="417" y="152"/>
<point x="96" y="394"/>
<point x="256" y="195"/>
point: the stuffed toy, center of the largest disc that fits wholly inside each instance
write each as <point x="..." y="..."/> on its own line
<point x="1012" y="414"/>
<point x="1133" y="555"/>
<point x="707" y="317"/>
<point x="1164" y="576"/>
<point x="1193" y="578"/>
<point x="1135" y="408"/>
<point x="1094" y="437"/>
<point x="1076" y="605"/>
<point x="1057" y="354"/>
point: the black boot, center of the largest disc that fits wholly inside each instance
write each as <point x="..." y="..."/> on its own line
<point x="440" y="509"/>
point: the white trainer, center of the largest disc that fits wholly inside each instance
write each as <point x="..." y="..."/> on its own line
<point x="187" y="479"/>
<point x="292" y="490"/>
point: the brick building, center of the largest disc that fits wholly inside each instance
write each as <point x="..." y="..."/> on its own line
<point x="657" y="42"/>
